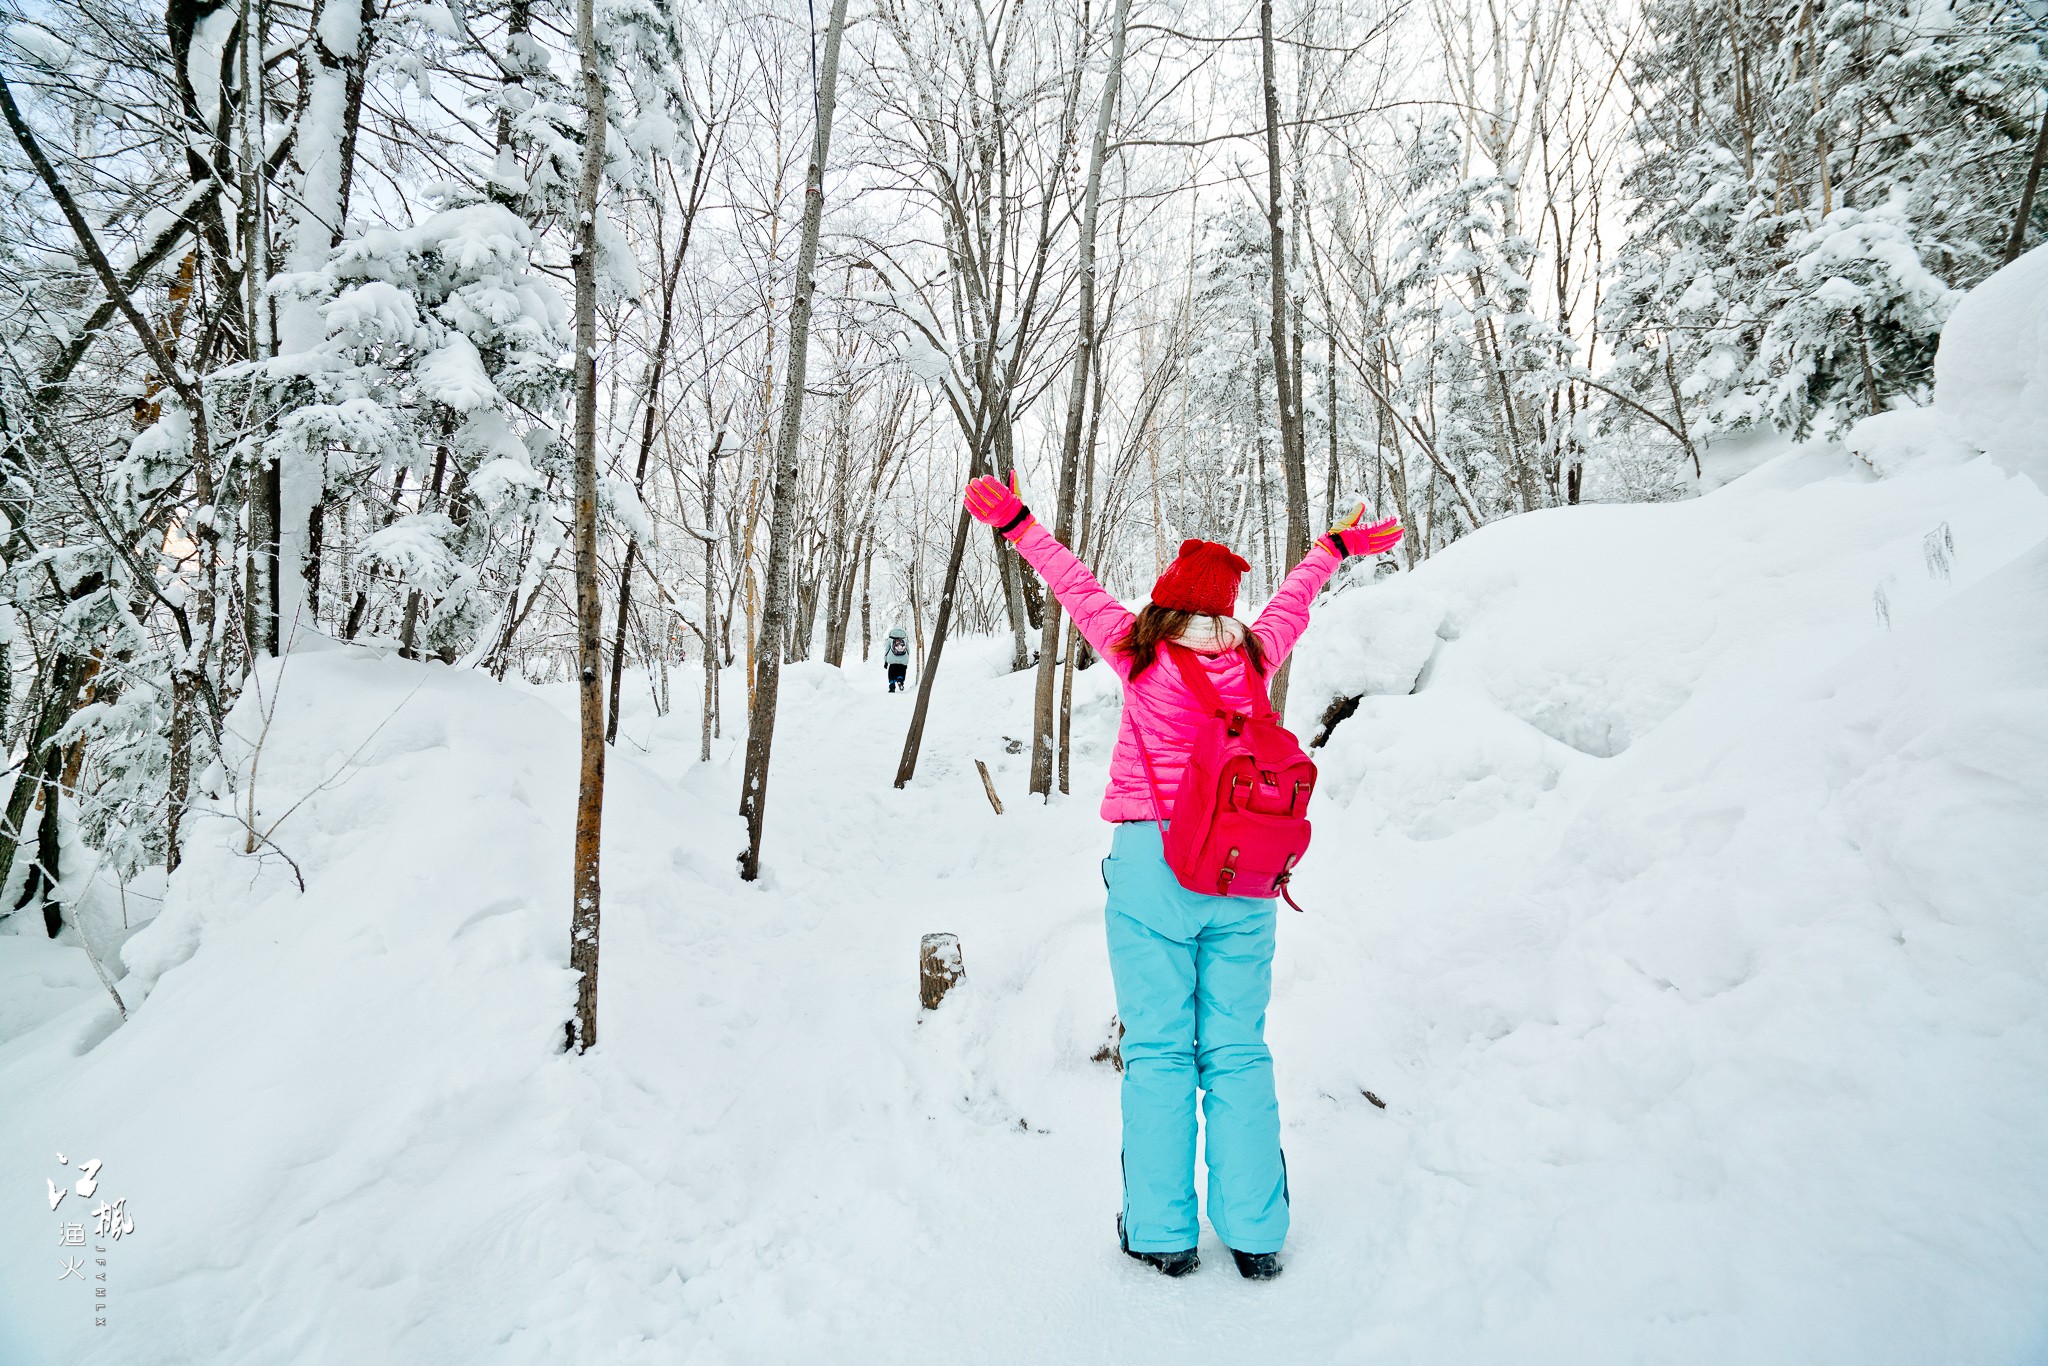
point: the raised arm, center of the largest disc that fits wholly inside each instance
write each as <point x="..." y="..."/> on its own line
<point x="1286" y="616"/>
<point x="1100" y="618"/>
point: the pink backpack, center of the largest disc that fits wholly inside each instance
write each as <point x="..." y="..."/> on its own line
<point x="1240" y="822"/>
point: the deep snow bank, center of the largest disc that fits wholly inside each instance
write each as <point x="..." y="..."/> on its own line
<point x="330" y="1101"/>
<point x="1700" y="911"/>
<point x="1991" y="372"/>
<point x="1694" y="881"/>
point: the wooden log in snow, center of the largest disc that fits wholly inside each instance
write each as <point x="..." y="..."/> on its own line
<point x="939" y="968"/>
<point x="988" y="785"/>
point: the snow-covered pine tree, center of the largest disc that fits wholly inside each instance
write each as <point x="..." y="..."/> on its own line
<point x="1478" y="359"/>
<point x="442" y="348"/>
<point x="436" y="401"/>
<point x="1811" y="182"/>
<point x="1231" y="436"/>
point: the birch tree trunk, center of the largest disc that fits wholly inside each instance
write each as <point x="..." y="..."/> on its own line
<point x="1333" y="477"/>
<point x="582" y="1029"/>
<point x="782" y="515"/>
<point x="710" y="632"/>
<point x="261" y="487"/>
<point x="837" y="569"/>
<point x="1042" y="735"/>
<point x="323" y="151"/>
<point x="867" y="579"/>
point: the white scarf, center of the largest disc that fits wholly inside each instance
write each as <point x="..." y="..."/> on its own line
<point x="1212" y="635"/>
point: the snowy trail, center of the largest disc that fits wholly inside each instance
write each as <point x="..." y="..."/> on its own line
<point x="968" y="1180"/>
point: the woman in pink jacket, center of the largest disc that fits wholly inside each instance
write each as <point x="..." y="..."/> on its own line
<point x="1193" y="973"/>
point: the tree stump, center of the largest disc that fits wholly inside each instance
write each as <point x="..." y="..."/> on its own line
<point x="939" y="968"/>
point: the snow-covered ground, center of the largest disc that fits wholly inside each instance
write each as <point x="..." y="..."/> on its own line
<point x="1678" y="886"/>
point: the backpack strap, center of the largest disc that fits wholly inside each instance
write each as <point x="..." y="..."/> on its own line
<point x="1151" y="777"/>
<point x="1257" y="682"/>
<point x="1197" y="679"/>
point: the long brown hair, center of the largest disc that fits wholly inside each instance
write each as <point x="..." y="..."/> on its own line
<point x="1156" y="625"/>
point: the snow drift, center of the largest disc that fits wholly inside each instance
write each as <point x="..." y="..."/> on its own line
<point x="1991" y="373"/>
<point x="1677" y="888"/>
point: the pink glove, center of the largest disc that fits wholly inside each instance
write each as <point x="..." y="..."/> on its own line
<point x="992" y="501"/>
<point x="1349" y="538"/>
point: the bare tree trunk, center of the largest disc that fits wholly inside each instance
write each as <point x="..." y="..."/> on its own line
<point x="1678" y="410"/>
<point x="655" y="365"/>
<point x="261" y="486"/>
<point x="710" y="654"/>
<point x="1010" y="566"/>
<point x="838" y="568"/>
<point x="583" y="938"/>
<point x="618" y="660"/>
<point x="1869" y="375"/>
<point x="907" y="765"/>
<point x="180" y="767"/>
<point x="2018" y="241"/>
<point x="338" y="40"/>
<point x="710" y="631"/>
<point x="60" y="699"/>
<point x="45" y="871"/>
<point x="1260" y="500"/>
<point x="1293" y="459"/>
<point x="867" y="581"/>
<point x="188" y="672"/>
<point x="1042" y="736"/>
<point x="782" y="517"/>
<point x="1268" y="579"/>
<point x="265" y="493"/>
<point x="1331" y="480"/>
<point x="1074" y="642"/>
<point x="917" y="599"/>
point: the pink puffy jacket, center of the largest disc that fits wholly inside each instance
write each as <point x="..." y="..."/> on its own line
<point x="1158" y="703"/>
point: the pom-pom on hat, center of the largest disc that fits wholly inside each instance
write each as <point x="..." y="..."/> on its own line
<point x="1202" y="578"/>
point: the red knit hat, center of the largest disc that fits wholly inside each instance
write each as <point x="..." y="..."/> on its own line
<point x="1203" y="578"/>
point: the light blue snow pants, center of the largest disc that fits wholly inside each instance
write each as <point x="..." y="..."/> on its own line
<point x="1193" y="975"/>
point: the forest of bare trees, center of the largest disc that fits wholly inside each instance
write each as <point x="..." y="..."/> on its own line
<point x="648" y="344"/>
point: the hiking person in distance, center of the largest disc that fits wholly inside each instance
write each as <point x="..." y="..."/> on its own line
<point x="1193" y="970"/>
<point x="896" y="659"/>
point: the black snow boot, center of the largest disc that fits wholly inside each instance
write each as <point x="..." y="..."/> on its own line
<point x="1169" y="1263"/>
<point x="1257" y="1266"/>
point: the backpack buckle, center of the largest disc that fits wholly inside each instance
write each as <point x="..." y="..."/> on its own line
<point x="1237" y="721"/>
<point x="1287" y="876"/>
<point x="1227" y="874"/>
